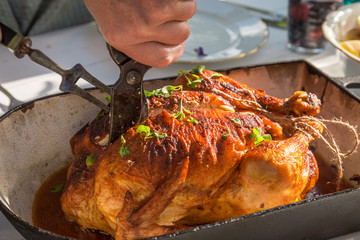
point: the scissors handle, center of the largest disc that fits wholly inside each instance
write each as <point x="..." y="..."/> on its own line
<point x="21" y="46"/>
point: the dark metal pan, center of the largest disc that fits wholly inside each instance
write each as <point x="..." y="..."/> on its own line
<point x="35" y="136"/>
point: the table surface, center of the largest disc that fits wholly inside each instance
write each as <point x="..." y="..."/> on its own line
<point x="83" y="44"/>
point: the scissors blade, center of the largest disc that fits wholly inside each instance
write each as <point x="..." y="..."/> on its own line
<point x="128" y="105"/>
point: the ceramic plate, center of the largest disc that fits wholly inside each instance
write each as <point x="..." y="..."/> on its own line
<point x="223" y="31"/>
<point x="338" y="23"/>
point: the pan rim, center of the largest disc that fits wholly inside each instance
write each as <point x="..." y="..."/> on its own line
<point x="24" y="106"/>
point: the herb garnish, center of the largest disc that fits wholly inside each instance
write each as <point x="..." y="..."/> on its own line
<point x="108" y="98"/>
<point x="226" y="135"/>
<point x="258" y="138"/>
<point x="90" y="160"/>
<point x="192" y="120"/>
<point x="216" y="75"/>
<point x="147" y="133"/>
<point x="198" y="70"/>
<point x="181" y="114"/>
<point x="57" y="188"/>
<point x="123" y="150"/>
<point x="236" y="120"/>
<point x="192" y="76"/>
<point x="165" y="91"/>
<point x="100" y="115"/>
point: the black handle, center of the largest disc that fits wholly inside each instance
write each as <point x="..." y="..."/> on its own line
<point x="7" y="34"/>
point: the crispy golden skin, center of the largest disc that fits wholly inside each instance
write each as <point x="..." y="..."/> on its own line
<point x="198" y="173"/>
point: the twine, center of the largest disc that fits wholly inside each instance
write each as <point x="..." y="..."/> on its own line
<point x="302" y="124"/>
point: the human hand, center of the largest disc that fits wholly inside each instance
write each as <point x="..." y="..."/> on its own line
<point x="152" y="32"/>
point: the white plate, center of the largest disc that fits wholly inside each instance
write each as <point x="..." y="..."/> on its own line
<point x="224" y="31"/>
<point x="338" y="23"/>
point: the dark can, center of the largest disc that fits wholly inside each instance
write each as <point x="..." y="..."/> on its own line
<point x="305" y="24"/>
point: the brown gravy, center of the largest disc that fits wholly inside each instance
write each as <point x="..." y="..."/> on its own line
<point x="47" y="213"/>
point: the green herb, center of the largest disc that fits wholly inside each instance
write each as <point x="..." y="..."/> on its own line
<point x="258" y="138"/>
<point x="90" y="160"/>
<point x="159" y="134"/>
<point x="165" y="91"/>
<point x="144" y="130"/>
<point x="181" y="113"/>
<point x="236" y="120"/>
<point x="192" y="78"/>
<point x="100" y="115"/>
<point x="192" y="83"/>
<point x="123" y="150"/>
<point x="216" y="75"/>
<point x="108" y="99"/>
<point x="57" y="188"/>
<point x="198" y="70"/>
<point x="192" y="120"/>
<point x="147" y="133"/>
<point x="226" y="135"/>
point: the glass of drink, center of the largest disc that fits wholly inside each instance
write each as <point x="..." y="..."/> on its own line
<point x="304" y="24"/>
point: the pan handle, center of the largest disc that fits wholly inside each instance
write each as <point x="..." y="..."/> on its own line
<point x="350" y="84"/>
<point x="8" y="36"/>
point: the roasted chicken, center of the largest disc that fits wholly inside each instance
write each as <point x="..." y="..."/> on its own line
<point x="205" y="154"/>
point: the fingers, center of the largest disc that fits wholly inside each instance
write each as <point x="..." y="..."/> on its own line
<point x="168" y="33"/>
<point x="168" y="10"/>
<point x="154" y="53"/>
<point x="140" y="27"/>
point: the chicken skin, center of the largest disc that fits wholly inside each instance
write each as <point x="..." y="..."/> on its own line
<point x="204" y="155"/>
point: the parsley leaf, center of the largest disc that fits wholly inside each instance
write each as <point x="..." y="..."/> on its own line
<point x="165" y="91"/>
<point x="226" y="135"/>
<point x="198" y="70"/>
<point x="236" y="120"/>
<point x="100" y="115"/>
<point x="216" y="75"/>
<point x="257" y="136"/>
<point x="57" y="188"/>
<point x="192" y="78"/>
<point x="90" y="160"/>
<point x="192" y="120"/>
<point x="144" y="131"/>
<point x="147" y="133"/>
<point x="123" y="150"/>
<point x="159" y="134"/>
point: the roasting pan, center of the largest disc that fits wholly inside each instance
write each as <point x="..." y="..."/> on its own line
<point x="34" y="140"/>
